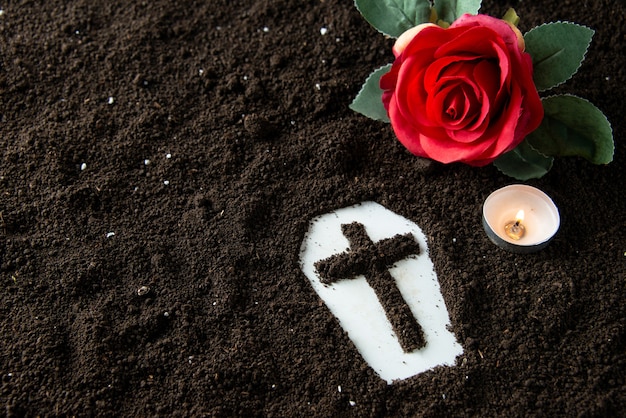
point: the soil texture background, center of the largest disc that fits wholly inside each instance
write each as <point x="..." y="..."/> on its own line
<point x="160" y="163"/>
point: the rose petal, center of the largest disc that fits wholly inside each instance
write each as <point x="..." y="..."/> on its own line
<point x="426" y="43"/>
<point x="404" y="39"/>
<point x="501" y="27"/>
<point x="411" y="94"/>
<point x="406" y="134"/>
<point x="435" y="105"/>
<point x="456" y="106"/>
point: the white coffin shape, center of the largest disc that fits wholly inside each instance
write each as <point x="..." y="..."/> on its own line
<point x="357" y="307"/>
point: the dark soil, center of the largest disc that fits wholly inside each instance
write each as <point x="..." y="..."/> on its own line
<point x="160" y="163"/>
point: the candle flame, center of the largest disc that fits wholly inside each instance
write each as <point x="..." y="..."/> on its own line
<point x="520" y="216"/>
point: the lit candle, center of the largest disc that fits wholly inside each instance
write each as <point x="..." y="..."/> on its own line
<point x="520" y="218"/>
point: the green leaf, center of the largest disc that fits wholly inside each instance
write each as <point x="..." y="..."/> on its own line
<point x="451" y="10"/>
<point x="369" y="100"/>
<point x="557" y="50"/>
<point x="524" y="162"/>
<point x="573" y="126"/>
<point x="394" y="17"/>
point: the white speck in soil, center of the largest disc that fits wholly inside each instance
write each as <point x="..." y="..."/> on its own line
<point x="166" y="182"/>
<point x="110" y="234"/>
<point x="111" y="100"/>
<point x="323" y="31"/>
<point x="83" y="166"/>
<point x="143" y="290"/>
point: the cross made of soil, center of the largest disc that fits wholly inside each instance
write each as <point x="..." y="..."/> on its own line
<point x="373" y="260"/>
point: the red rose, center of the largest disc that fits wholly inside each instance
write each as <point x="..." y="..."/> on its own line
<point x="465" y="93"/>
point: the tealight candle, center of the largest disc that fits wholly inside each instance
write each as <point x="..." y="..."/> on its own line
<point x="520" y="218"/>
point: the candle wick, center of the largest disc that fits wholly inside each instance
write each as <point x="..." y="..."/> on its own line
<point x="515" y="229"/>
